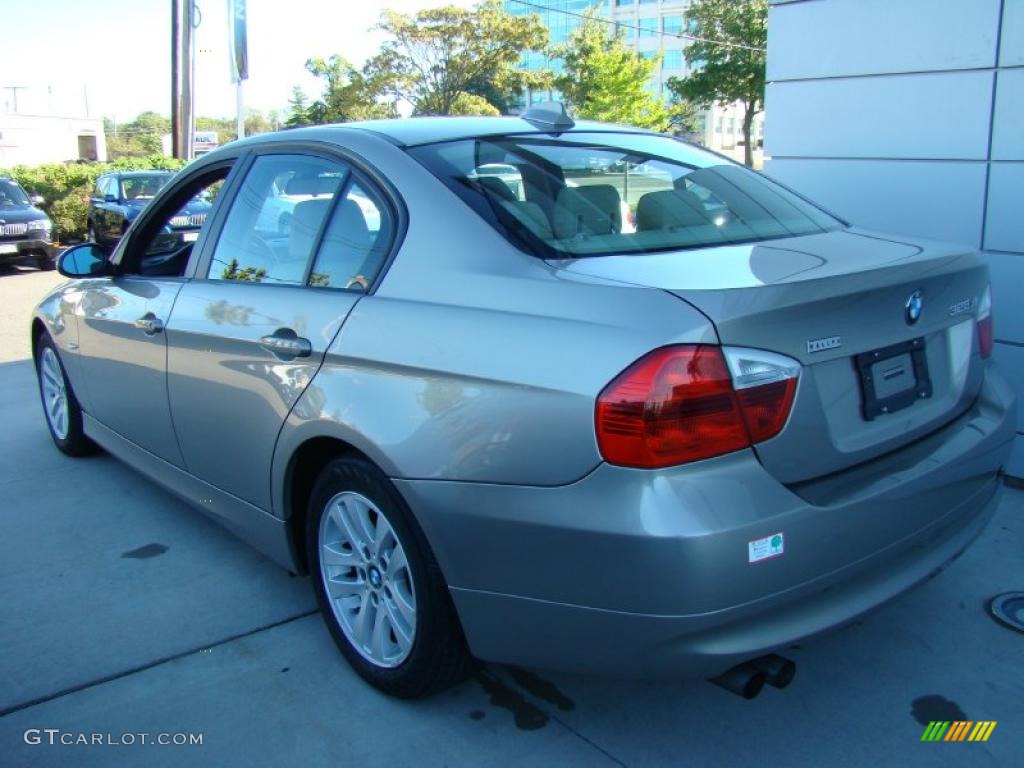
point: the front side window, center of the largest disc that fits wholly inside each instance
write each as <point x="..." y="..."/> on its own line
<point x="590" y="194"/>
<point x="163" y="245"/>
<point x="275" y="220"/>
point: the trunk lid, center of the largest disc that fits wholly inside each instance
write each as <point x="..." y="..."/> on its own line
<point x="824" y="300"/>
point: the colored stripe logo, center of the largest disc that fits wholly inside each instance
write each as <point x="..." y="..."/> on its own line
<point x="958" y="730"/>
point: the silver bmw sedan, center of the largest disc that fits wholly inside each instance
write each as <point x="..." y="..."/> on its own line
<point x="529" y="390"/>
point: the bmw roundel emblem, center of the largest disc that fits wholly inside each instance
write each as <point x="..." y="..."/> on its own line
<point x="913" y="307"/>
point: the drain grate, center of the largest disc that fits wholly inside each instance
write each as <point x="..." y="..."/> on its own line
<point x="1008" y="609"/>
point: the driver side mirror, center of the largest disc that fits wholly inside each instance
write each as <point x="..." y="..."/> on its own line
<point x="110" y="198"/>
<point x="36" y="199"/>
<point x="86" y="260"/>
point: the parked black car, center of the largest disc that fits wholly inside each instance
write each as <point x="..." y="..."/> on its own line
<point x="26" y="234"/>
<point x="120" y="196"/>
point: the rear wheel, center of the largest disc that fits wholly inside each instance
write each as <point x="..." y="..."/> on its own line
<point x="90" y="233"/>
<point x="46" y="263"/>
<point x="379" y="587"/>
<point x="63" y="414"/>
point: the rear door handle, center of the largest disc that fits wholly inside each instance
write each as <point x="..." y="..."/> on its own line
<point x="285" y="344"/>
<point x="150" y="324"/>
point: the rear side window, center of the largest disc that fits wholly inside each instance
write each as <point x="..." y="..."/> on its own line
<point x="590" y="194"/>
<point x="355" y="242"/>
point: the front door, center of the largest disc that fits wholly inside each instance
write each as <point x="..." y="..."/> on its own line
<point x="123" y="355"/>
<point x="122" y="335"/>
<point x="249" y="333"/>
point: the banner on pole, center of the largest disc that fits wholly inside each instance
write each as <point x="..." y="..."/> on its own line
<point x="239" y="42"/>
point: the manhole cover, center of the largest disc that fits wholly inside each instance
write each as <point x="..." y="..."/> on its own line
<point x="1008" y="609"/>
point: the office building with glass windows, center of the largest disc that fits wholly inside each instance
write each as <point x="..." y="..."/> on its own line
<point x="653" y="28"/>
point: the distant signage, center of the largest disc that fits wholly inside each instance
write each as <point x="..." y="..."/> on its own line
<point x="202" y="142"/>
<point x="205" y="141"/>
<point x="239" y="40"/>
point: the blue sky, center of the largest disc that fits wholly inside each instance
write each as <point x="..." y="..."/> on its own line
<point x="117" y="52"/>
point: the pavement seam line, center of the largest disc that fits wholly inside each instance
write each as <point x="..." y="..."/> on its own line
<point x="593" y="744"/>
<point x="150" y="665"/>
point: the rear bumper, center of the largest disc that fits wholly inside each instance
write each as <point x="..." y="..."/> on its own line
<point x="630" y="572"/>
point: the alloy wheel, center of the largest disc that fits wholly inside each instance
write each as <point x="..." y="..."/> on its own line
<point x="367" y="579"/>
<point x="55" y="396"/>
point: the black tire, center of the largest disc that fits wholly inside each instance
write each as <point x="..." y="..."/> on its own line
<point x="90" y="233"/>
<point x="438" y="657"/>
<point x="47" y="264"/>
<point x="75" y="443"/>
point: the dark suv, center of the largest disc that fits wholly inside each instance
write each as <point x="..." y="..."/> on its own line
<point x="120" y="196"/>
<point x="25" y="231"/>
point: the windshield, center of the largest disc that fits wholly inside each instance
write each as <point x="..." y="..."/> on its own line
<point x="12" y="195"/>
<point x="589" y="194"/>
<point x="143" y="187"/>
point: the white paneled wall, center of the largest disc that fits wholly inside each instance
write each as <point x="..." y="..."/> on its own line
<point x="908" y="116"/>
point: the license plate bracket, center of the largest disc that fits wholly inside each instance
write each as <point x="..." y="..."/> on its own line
<point x="880" y="372"/>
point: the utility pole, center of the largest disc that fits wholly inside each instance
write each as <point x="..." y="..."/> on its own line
<point x="182" y="79"/>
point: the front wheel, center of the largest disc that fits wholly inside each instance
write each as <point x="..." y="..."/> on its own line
<point x="379" y="587"/>
<point x="63" y="414"/>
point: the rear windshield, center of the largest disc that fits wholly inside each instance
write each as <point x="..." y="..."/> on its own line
<point x="590" y="194"/>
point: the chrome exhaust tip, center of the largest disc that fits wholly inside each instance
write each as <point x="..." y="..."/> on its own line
<point x="778" y="671"/>
<point x="744" y="680"/>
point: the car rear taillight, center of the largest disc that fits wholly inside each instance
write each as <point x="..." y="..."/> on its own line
<point x="689" y="402"/>
<point x="765" y="386"/>
<point x="985" y="330"/>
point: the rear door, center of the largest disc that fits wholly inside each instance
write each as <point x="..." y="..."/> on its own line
<point x="249" y="333"/>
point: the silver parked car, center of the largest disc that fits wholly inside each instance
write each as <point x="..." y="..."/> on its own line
<point x="494" y="422"/>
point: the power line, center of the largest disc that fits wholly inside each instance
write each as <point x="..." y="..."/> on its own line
<point x="679" y="35"/>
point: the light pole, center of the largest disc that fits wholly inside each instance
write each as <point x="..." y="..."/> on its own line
<point x="239" y="58"/>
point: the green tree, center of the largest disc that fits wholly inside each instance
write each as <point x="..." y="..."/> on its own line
<point x="139" y="138"/>
<point x="728" y="58"/>
<point x="245" y="274"/>
<point x="438" y="58"/>
<point x="298" y="109"/>
<point x="349" y="94"/>
<point x="257" y="122"/>
<point x="604" y="79"/>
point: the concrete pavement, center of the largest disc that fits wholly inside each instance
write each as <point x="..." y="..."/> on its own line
<point x="124" y="611"/>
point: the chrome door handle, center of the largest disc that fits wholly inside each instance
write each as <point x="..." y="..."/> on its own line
<point x="150" y="324"/>
<point x="286" y="344"/>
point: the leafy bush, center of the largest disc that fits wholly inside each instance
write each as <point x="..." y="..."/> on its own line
<point x="66" y="187"/>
